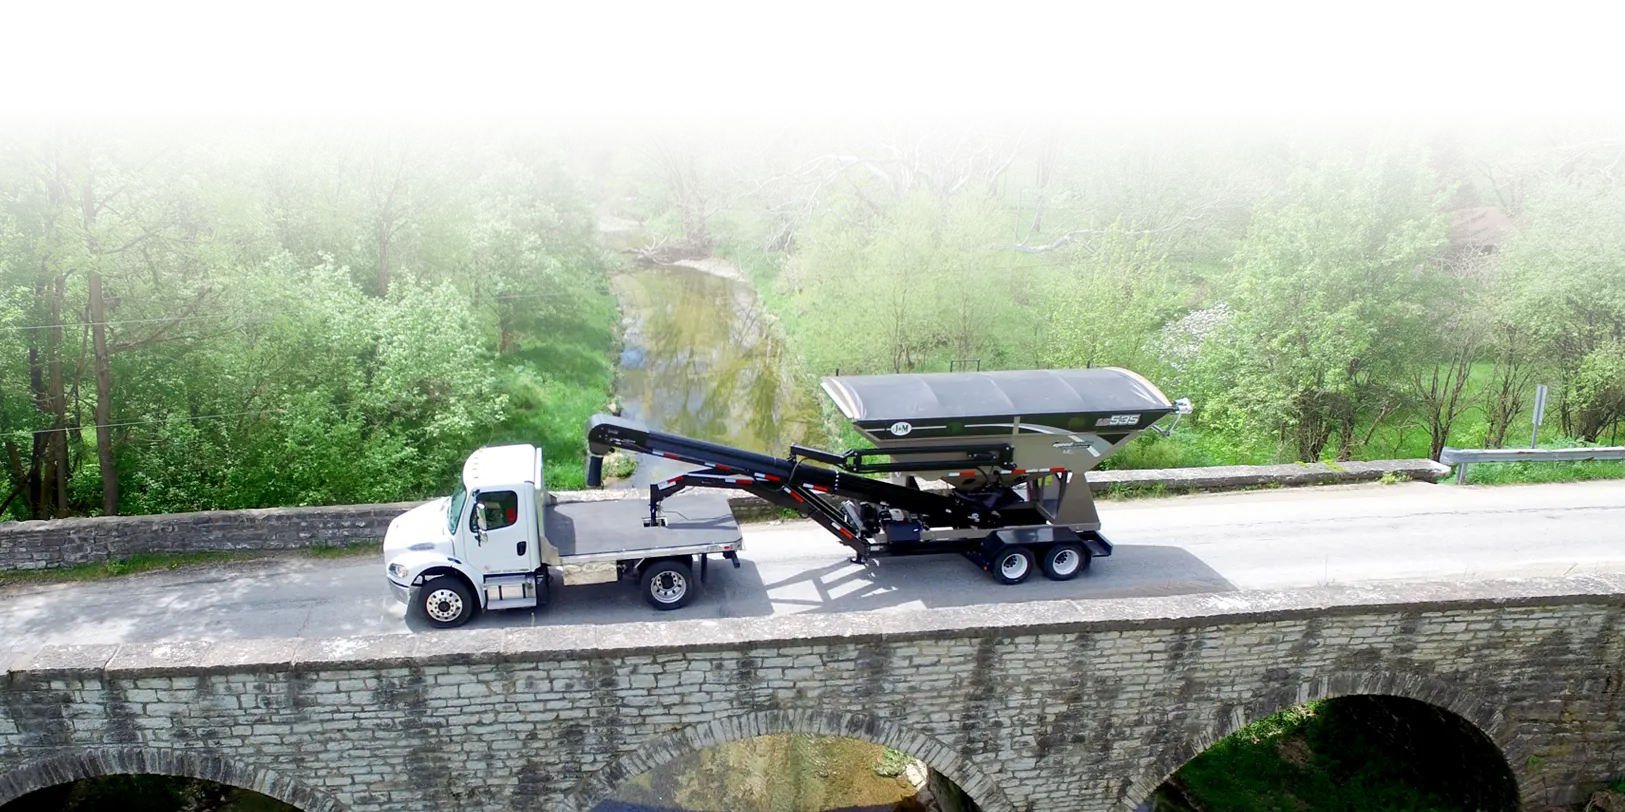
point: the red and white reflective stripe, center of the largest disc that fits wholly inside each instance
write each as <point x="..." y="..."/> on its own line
<point x="1036" y="471"/>
<point x="772" y="478"/>
<point x="667" y="456"/>
<point x="967" y="473"/>
<point x="738" y="480"/>
<point x="819" y="488"/>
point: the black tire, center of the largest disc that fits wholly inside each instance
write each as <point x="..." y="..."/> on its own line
<point x="1063" y="562"/>
<point x="669" y="584"/>
<point x="444" y="602"/>
<point x="1012" y="565"/>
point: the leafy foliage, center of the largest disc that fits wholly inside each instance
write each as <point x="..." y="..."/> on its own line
<point x="1351" y="753"/>
<point x="1110" y="304"/>
<point x="289" y="320"/>
<point x="1564" y="287"/>
<point x="1330" y="290"/>
<point x="533" y="229"/>
<point x="908" y="283"/>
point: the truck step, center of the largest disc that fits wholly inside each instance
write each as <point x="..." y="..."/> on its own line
<point x="511" y="603"/>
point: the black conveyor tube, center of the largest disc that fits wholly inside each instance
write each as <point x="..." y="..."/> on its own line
<point x="606" y="432"/>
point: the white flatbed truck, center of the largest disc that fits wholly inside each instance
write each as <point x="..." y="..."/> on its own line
<point x="496" y="540"/>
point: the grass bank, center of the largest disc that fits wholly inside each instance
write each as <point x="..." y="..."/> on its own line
<point x="557" y="380"/>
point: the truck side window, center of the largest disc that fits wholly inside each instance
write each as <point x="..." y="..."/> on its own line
<point x="501" y="509"/>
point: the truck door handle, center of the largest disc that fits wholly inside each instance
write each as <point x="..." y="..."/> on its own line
<point x="519" y="549"/>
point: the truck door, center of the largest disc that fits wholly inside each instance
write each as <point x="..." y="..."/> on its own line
<point x="509" y="544"/>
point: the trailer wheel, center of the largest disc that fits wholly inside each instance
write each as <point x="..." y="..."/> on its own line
<point x="1063" y="562"/>
<point x="1012" y="565"/>
<point x="444" y="602"/>
<point x="668" y="584"/>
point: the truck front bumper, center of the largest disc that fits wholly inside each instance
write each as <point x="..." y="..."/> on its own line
<point x="401" y="593"/>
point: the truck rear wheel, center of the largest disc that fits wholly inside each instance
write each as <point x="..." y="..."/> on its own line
<point x="444" y="602"/>
<point x="1063" y="562"/>
<point x="668" y="584"/>
<point x="1012" y="565"/>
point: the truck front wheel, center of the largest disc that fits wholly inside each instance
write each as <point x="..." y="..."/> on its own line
<point x="444" y="602"/>
<point x="668" y="584"/>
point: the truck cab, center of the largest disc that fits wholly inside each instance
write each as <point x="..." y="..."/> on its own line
<point x="493" y="543"/>
<point x="483" y="547"/>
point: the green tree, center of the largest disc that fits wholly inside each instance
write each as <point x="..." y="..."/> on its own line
<point x="1563" y="285"/>
<point x="1110" y="305"/>
<point x="535" y="234"/>
<point x="328" y="396"/>
<point x="897" y="286"/>
<point x="1332" y="293"/>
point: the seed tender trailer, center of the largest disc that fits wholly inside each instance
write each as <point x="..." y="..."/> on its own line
<point x="1011" y="448"/>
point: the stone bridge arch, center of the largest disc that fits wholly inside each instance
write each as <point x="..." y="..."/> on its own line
<point x="62" y="769"/>
<point x="932" y="751"/>
<point x="1484" y="715"/>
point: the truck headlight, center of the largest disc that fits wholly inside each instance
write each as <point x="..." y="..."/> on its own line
<point x="397" y="571"/>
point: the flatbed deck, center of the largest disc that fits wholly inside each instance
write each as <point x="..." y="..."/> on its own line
<point x="696" y="524"/>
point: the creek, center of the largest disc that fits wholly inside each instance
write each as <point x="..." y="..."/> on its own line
<point x="703" y="359"/>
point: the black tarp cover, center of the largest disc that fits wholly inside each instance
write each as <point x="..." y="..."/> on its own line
<point x="999" y="394"/>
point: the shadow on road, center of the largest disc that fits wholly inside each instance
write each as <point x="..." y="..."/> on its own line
<point x="938" y="581"/>
<point x="921" y="582"/>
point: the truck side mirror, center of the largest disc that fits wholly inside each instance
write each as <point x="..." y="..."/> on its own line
<point x="479" y="521"/>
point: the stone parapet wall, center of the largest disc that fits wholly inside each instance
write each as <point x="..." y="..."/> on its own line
<point x="69" y="542"/>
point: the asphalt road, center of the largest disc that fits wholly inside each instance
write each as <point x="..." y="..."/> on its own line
<point x="1184" y="545"/>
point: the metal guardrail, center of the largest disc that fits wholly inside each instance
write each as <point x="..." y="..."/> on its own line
<point x="1463" y="456"/>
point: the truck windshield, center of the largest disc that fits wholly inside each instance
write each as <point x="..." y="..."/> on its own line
<point x="455" y="511"/>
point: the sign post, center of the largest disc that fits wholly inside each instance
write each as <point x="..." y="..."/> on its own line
<point x="1540" y="412"/>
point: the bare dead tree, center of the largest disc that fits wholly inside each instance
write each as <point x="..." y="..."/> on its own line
<point x="396" y="186"/>
<point x="1181" y="222"/>
<point x="935" y="148"/>
<point x="489" y="119"/>
<point x="1504" y="394"/>
<point x="1588" y="140"/>
<point x="675" y="150"/>
<point x="579" y="127"/>
<point x="1441" y="390"/>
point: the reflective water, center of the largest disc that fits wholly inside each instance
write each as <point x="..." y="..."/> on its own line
<point x="703" y="359"/>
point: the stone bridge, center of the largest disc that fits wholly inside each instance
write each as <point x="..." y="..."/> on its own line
<point x="1039" y="707"/>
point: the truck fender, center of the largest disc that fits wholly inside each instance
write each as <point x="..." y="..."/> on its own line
<point x="417" y="565"/>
